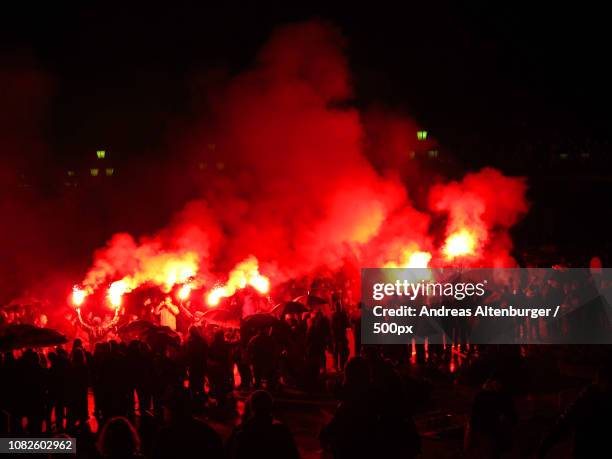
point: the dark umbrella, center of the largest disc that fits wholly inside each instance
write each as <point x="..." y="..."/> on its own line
<point x="221" y="317"/>
<point x="41" y="337"/>
<point x="293" y="307"/>
<point x="310" y="300"/>
<point x="218" y="314"/>
<point x="18" y="330"/>
<point x="161" y="337"/>
<point x="259" y="320"/>
<point x="135" y="328"/>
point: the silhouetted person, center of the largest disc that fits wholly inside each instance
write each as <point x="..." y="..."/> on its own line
<point x="220" y="368"/>
<point x="493" y="416"/>
<point x="262" y="353"/>
<point x="140" y="361"/>
<point x="78" y="388"/>
<point x="260" y="435"/>
<point x="11" y="393"/>
<point x="396" y="431"/>
<point x="99" y="377"/>
<point x="185" y="436"/>
<point x="352" y="431"/>
<point x="340" y="346"/>
<point x="356" y="327"/>
<point x="31" y="390"/>
<point x="58" y="377"/>
<point x="318" y="338"/>
<point x="119" y="440"/>
<point x="169" y="375"/>
<point x="196" y="355"/>
<point x="587" y="420"/>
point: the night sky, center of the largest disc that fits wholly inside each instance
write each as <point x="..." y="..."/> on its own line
<point x="476" y="74"/>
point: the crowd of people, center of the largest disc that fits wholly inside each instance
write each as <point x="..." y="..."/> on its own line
<point x="166" y="398"/>
<point x="152" y="401"/>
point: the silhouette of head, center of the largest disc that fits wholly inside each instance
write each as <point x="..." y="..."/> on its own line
<point x="357" y="373"/>
<point x="78" y="357"/>
<point x="219" y="335"/>
<point x="260" y="403"/>
<point x="194" y="332"/>
<point x="178" y="403"/>
<point x="118" y="439"/>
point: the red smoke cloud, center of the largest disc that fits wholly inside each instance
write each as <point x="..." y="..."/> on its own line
<point x="298" y="191"/>
<point x="487" y="204"/>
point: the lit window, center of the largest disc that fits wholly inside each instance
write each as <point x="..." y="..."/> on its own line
<point x="432" y="153"/>
<point x="422" y="135"/>
<point x="94" y="172"/>
<point x="71" y="173"/>
<point x="101" y="154"/>
<point x="564" y="155"/>
<point x="412" y="154"/>
<point x="109" y="171"/>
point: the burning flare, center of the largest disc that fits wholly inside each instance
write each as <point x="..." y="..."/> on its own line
<point x="411" y="259"/>
<point x="164" y="270"/>
<point x="116" y="291"/>
<point x="184" y="292"/>
<point x="245" y="273"/>
<point x="459" y="244"/>
<point x="78" y="296"/>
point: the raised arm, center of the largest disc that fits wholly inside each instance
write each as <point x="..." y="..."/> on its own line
<point x="85" y="326"/>
<point x="115" y="318"/>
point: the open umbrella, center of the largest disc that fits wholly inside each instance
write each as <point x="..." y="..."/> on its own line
<point x="25" y="335"/>
<point x="161" y="337"/>
<point x="221" y="317"/>
<point x="17" y="330"/>
<point x="293" y="307"/>
<point x="310" y="300"/>
<point x="135" y="328"/>
<point x="259" y="320"/>
<point x="41" y="337"/>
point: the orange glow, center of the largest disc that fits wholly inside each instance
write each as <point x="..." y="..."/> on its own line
<point x="215" y="295"/>
<point x="419" y="260"/>
<point x="260" y="283"/>
<point x="460" y="243"/>
<point x="162" y="269"/>
<point x="184" y="292"/>
<point x="78" y="296"/>
<point x="116" y="291"/>
<point x="245" y="273"/>
<point x="411" y="259"/>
